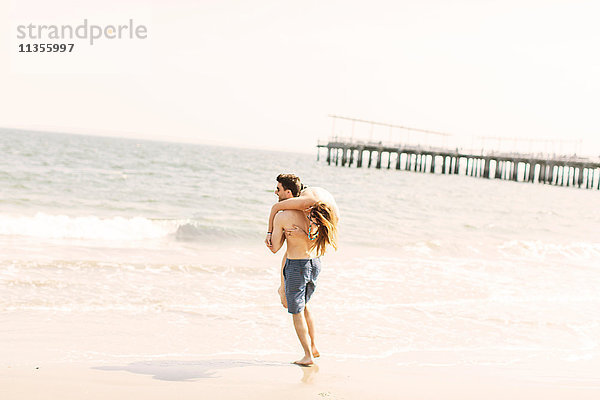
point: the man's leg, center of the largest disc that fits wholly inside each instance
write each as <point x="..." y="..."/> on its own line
<point x="311" y="332"/>
<point x="302" y="332"/>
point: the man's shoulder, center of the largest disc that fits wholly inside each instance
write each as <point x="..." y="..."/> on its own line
<point x="286" y="215"/>
<point x="289" y="213"/>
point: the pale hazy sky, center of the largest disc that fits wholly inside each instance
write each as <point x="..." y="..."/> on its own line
<point x="266" y="74"/>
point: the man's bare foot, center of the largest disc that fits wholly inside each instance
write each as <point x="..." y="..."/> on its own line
<point x="315" y="352"/>
<point x="306" y="361"/>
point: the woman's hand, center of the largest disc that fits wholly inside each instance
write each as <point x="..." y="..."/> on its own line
<point x="295" y="230"/>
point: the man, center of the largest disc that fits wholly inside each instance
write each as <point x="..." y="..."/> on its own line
<point x="299" y="271"/>
<point x="288" y="186"/>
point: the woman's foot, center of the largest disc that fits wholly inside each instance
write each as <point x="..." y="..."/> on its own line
<point x="305" y="361"/>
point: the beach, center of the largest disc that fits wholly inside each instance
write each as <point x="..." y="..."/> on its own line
<point x="137" y="268"/>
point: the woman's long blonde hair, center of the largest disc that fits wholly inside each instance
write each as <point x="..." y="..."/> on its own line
<point x="326" y="221"/>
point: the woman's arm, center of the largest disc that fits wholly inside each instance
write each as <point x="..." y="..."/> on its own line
<point x="295" y="203"/>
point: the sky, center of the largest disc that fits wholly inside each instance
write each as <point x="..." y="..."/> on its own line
<point x="266" y="74"/>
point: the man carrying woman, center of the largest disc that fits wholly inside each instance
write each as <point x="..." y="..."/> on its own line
<point x="308" y="221"/>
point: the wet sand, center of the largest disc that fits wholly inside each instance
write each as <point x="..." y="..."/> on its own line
<point x="273" y="377"/>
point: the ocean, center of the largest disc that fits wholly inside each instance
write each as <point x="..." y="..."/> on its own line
<point x="162" y="243"/>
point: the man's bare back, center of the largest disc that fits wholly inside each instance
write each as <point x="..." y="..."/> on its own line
<point x="298" y="246"/>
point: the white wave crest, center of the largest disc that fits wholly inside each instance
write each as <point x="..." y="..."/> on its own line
<point x="89" y="227"/>
<point x="542" y="250"/>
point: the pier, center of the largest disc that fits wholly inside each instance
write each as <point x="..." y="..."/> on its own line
<point x="552" y="169"/>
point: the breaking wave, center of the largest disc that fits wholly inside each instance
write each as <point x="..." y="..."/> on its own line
<point x="114" y="229"/>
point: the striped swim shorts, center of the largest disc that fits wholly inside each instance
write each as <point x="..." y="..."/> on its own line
<point x="300" y="281"/>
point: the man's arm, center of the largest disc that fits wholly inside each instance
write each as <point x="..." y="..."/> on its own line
<point x="278" y="236"/>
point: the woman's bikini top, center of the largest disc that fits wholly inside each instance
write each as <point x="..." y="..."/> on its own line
<point x="311" y="235"/>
